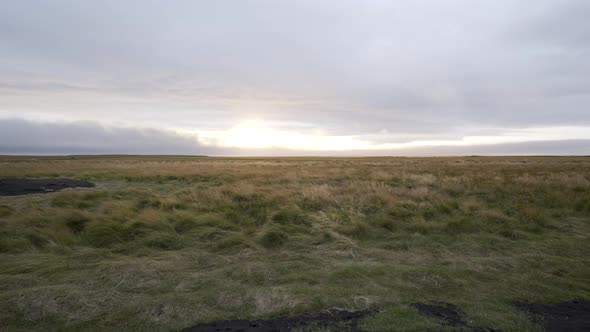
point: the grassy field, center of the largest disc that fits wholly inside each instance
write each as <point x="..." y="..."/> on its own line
<point x="163" y="243"/>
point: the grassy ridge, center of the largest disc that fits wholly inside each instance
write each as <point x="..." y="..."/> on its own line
<point x="165" y="242"/>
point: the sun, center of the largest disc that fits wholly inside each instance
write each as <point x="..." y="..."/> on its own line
<point x="256" y="134"/>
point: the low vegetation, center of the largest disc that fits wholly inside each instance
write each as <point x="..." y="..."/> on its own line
<point x="163" y="243"/>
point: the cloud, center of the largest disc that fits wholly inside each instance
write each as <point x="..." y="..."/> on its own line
<point x="538" y="148"/>
<point x="541" y="148"/>
<point x="417" y="70"/>
<point x="561" y="26"/>
<point x="27" y="137"/>
<point x="64" y="138"/>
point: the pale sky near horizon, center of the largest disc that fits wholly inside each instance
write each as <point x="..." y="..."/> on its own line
<point x="295" y="77"/>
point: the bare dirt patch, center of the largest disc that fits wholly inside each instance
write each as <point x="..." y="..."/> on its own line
<point x="341" y="320"/>
<point x="560" y="317"/>
<point x="14" y="187"/>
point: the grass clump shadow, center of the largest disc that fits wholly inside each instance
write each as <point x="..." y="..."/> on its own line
<point x="358" y="229"/>
<point x="273" y="238"/>
<point x="232" y="244"/>
<point x="106" y="234"/>
<point x="6" y="210"/>
<point x="76" y="222"/>
<point x="164" y="241"/>
<point x="582" y="206"/>
<point x="290" y="216"/>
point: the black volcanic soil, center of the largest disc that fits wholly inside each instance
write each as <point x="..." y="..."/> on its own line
<point x="560" y="317"/>
<point x="449" y="314"/>
<point x="13" y="187"/>
<point x="341" y="320"/>
<point x="570" y="316"/>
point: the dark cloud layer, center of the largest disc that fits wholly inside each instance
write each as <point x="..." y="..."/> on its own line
<point x="26" y="137"/>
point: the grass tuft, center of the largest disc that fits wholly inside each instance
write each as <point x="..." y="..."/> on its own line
<point x="273" y="238"/>
<point x="164" y="241"/>
<point x="6" y="210"/>
<point x="76" y="222"/>
<point x="106" y="234"/>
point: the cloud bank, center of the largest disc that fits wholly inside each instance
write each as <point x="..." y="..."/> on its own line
<point x="20" y="136"/>
<point x="38" y="138"/>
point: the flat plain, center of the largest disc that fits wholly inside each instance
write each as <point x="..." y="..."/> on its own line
<point x="164" y="242"/>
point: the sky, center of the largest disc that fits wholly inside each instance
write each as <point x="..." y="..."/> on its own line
<point x="422" y="77"/>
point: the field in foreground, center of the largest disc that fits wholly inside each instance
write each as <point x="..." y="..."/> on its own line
<point x="163" y="243"/>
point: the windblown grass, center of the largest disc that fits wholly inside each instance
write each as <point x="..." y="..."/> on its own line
<point x="165" y="242"/>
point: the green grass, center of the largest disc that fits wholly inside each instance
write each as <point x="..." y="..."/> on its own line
<point x="163" y="243"/>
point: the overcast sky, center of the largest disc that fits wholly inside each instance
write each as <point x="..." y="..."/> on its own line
<point x="295" y="77"/>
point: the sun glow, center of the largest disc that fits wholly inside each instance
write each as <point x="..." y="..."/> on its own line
<point x="257" y="134"/>
<point x="254" y="134"/>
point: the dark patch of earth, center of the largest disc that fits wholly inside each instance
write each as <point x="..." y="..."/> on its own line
<point x="449" y="314"/>
<point x="13" y="187"/>
<point x="341" y="320"/>
<point x="566" y="316"/>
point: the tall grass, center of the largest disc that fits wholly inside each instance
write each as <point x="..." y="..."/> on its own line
<point x="165" y="242"/>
